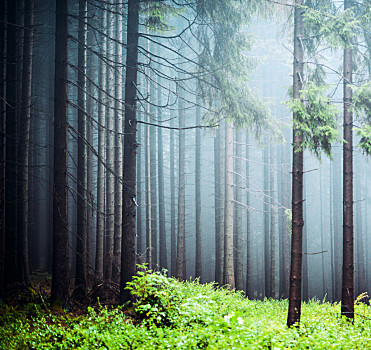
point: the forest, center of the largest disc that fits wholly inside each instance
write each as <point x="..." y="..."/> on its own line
<point x="180" y="169"/>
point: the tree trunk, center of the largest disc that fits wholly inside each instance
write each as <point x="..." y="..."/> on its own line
<point x="297" y="178"/>
<point x="2" y="164"/>
<point x="100" y="227"/>
<point x="173" y="244"/>
<point x="118" y="156"/>
<point x="80" y="277"/>
<point x="110" y="152"/>
<point x="128" y="256"/>
<point x="347" y="292"/>
<point x="272" y="191"/>
<point x="60" y="280"/>
<point x="228" y="209"/>
<point x="11" y="147"/>
<point x="181" y="255"/>
<point x="238" y="209"/>
<point x="249" y="289"/>
<point x="24" y="143"/>
<point x="198" y="271"/>
<point x="161" y="187"/>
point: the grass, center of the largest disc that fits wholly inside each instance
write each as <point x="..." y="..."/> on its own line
<point x="174" y="315"/>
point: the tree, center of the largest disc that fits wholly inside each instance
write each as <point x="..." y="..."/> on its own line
<point x="297" y="177"/>
<point x="347" y="291"/>
<point x="128" y="256"/>
<point x="60" y="279"/>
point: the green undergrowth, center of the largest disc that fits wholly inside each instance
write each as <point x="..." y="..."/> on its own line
<point x="170" y="314"/>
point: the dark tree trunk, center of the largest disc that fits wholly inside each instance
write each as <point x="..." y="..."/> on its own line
<point x="347" y="292"/>
<point x="128" y="256"/>
<point x="80" y="276"/>
<point x="60" y="279"/>
<point x="24" y="143"/>
<point x="11" y="147"/>
<point x="297" y="178"/>
<point x="198" y="271"/>
<point x="2" y="111"/>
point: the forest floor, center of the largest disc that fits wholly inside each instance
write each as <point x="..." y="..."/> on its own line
<point x="172" y="315"/>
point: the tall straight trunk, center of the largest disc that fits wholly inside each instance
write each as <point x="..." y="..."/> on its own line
<point x="110" y="152"/>
<point x="11" y="147"/>
<point x="118" y="155"/>
<point x="161" y="187"/>
<point x="181" y="254"/>
<point x="173" y="244"/>
<point x="198" y="271"/>
<point x="272" y="204"/>
<point x="100" y="225"/>
<point x="60" y="279"/>
<point x="140" y="236"/>
<point x="337" y="217"/>
<point x="323" y="268"/>
<point x="153" y="175"/>
<point x="228" y="209"/>
<point x="347" y="291"/>
<point x="238" y="212"/>
<point x="249" y="289"/>
<point x="2" y="111"/>
<point x="285" y="194"/>
<point x="24" y="143"/>
<point x="219" y="206"/>
<point x="267" y="242"/>
<point x="128" y="257"/>
<point x="80" y="277"/>
<point x="218" y="250"/>
<point x="297" y="178"/>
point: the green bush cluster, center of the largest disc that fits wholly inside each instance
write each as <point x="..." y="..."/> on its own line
<point x="169" y="314"/>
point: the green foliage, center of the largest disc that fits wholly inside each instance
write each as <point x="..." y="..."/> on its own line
<point x="207" y="318"/>
<point x="157" y="14"/>
<point x="315" y="120"/>
<point x="362" y="100"/>
<point x="365" y="141"/>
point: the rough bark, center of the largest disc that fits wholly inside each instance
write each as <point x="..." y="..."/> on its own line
<point x="128" y="256"/>
<point x="228" y="209"/>
<point x="294" y="311"/>
<point x="347" y="292"/>
<point x="60" y="280"/>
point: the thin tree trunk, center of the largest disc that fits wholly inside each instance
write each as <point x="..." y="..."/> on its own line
<point x="297" y="178"/>
<point x="60" y="280"/>
<point x="118" y="157"/>
<point x="110" y="152"/>
<point x="228" y="209"/>
<point x="347" y="292"/>
<point x="173" y="244"/>
<point x="198" y="271"/>
<point x="2" y="111"/>
<point x="128" y="256"/>
<point x="24" y="143"/>
<point x="323" y="268"/>
<point x="11" y="147"/>
<point x="161" y="187"/>
<point x="181" y="254"/>
<point x="100" y="227"/>
<point x="249" y="289"/>
<point x="238" y="209"/>
<point x="80" y="277"/>
<point x="272" y="191"/>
